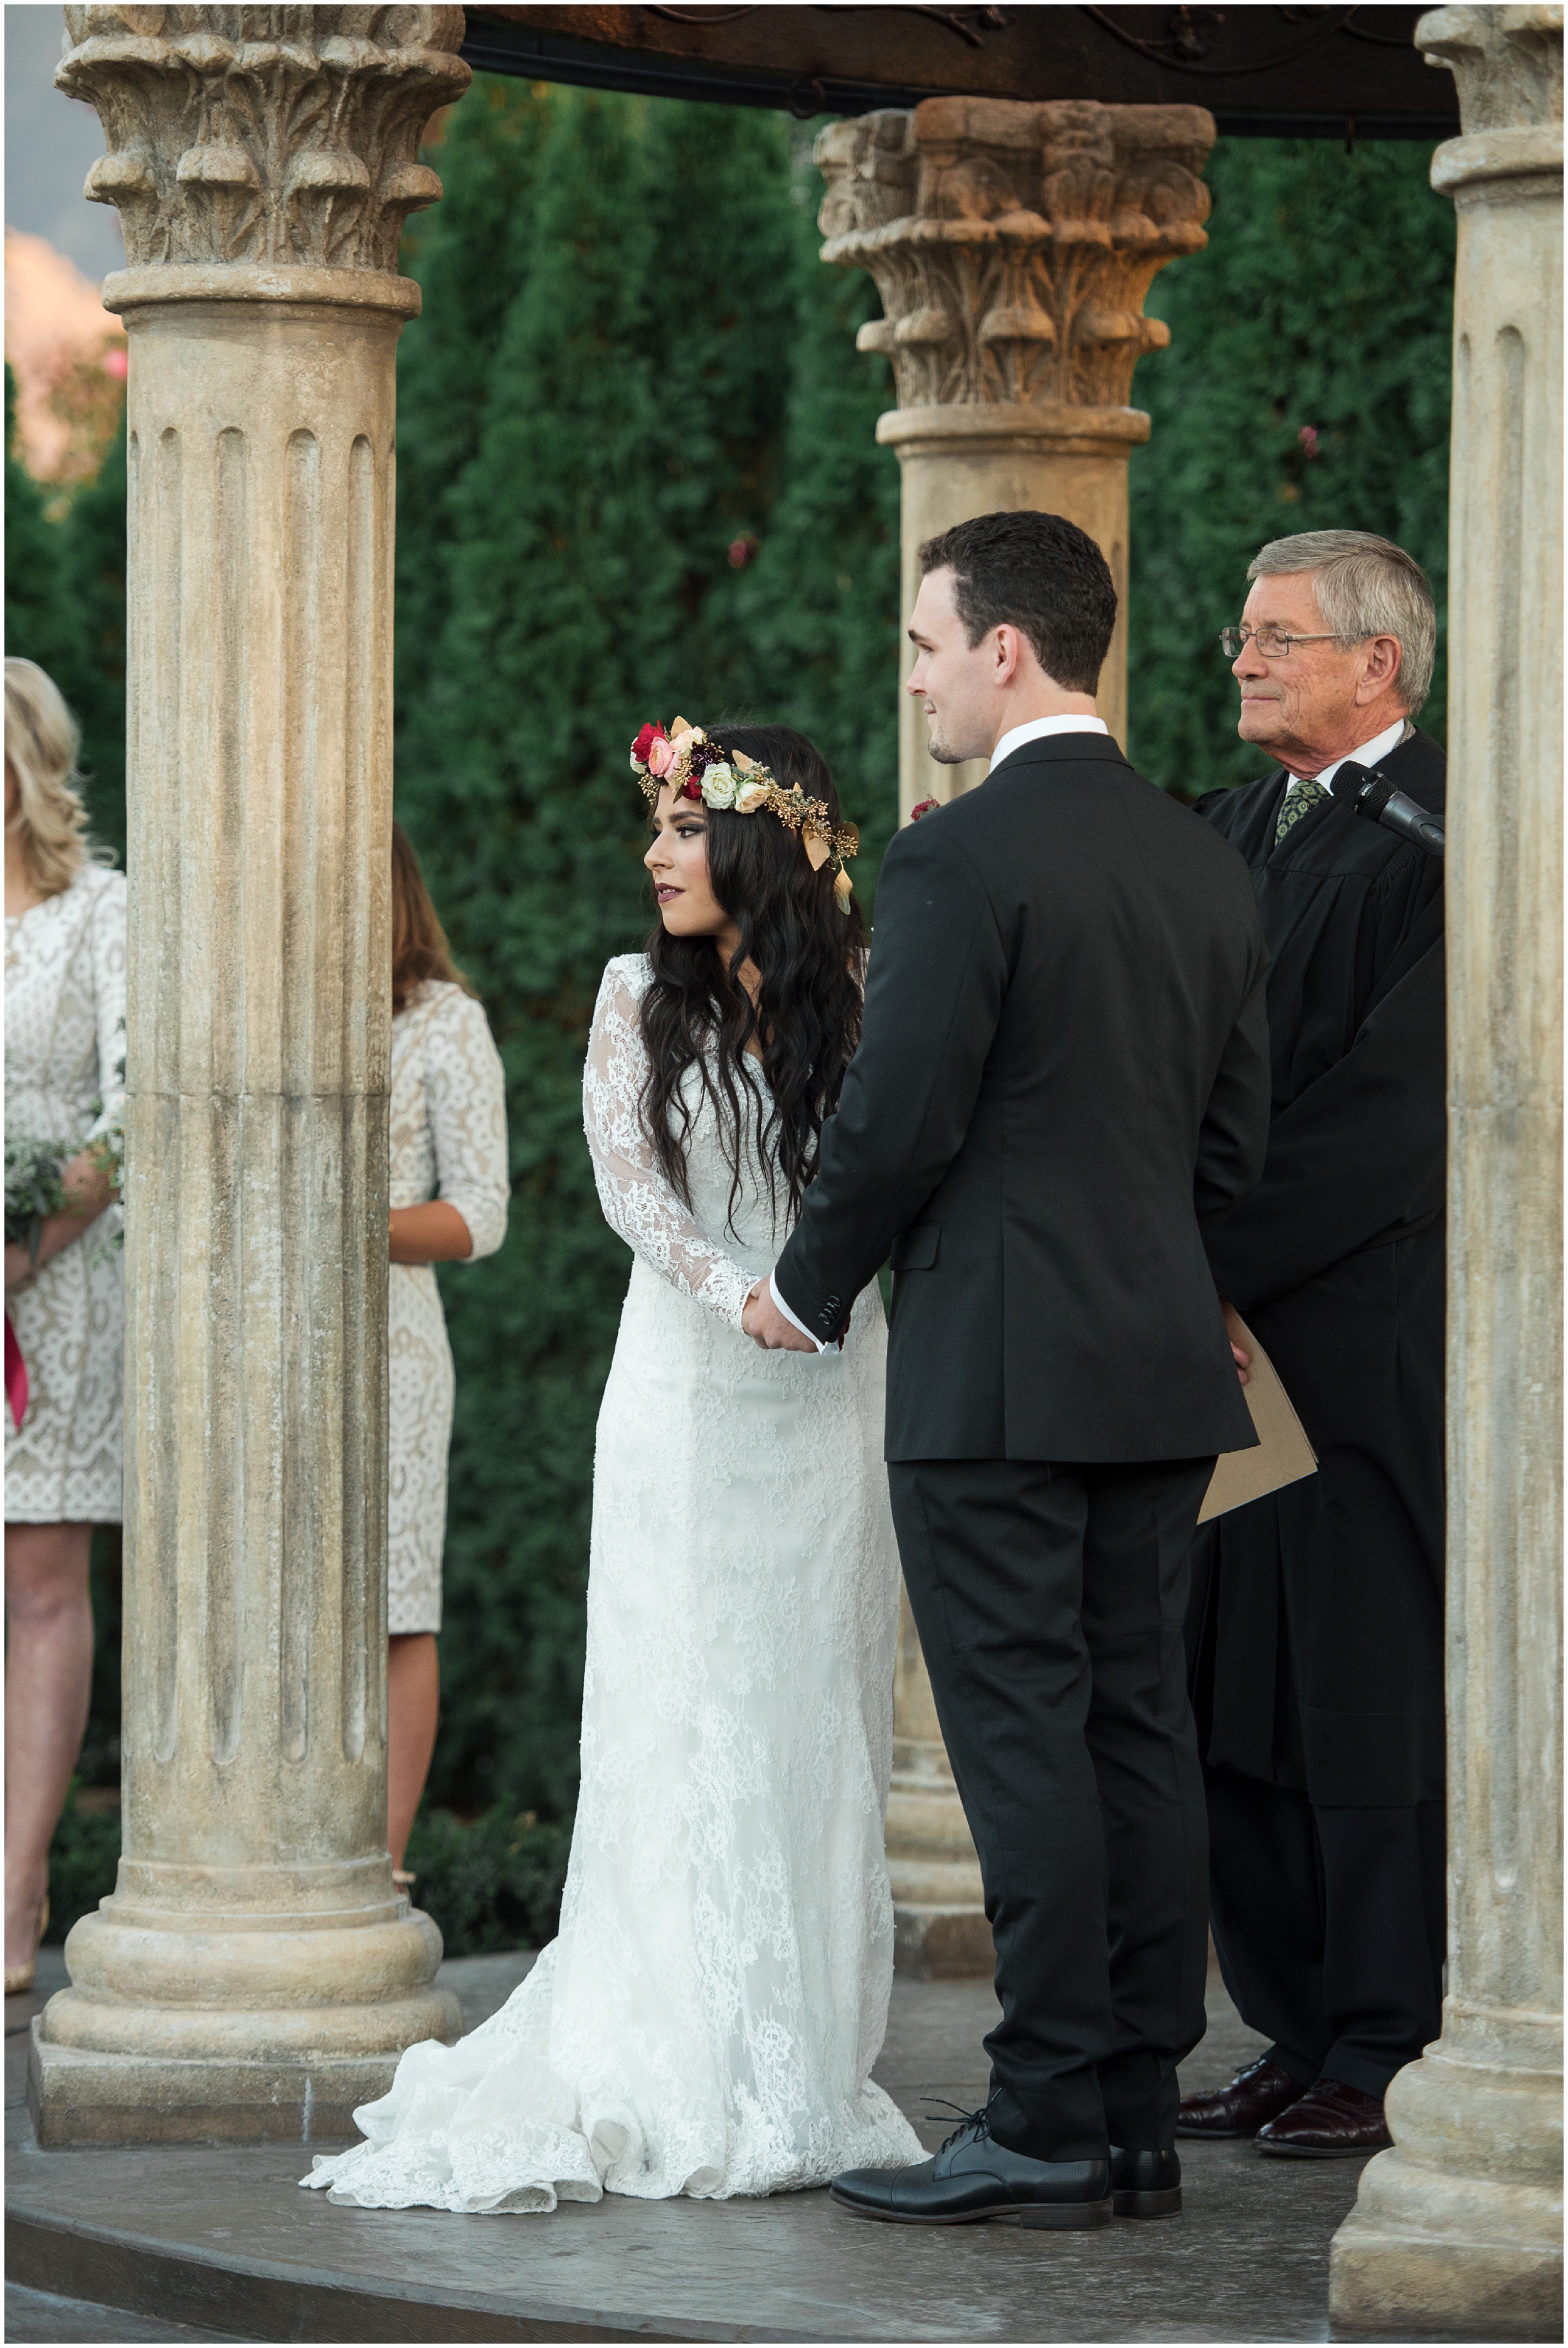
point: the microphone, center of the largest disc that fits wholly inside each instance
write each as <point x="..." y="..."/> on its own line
<point x="1368" y="791"/>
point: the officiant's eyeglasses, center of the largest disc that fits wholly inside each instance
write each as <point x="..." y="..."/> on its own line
<point x="1272" y="642"/>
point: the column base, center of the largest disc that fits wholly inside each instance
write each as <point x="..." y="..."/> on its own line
<point x="1457" y="2233"/>
<point x="80" y="2096"/>
<point x="931" y="1943"/>
<point x="939" y="1928"/>
<point x="1387" y="2284"/>
<point x="195" y="2026"/>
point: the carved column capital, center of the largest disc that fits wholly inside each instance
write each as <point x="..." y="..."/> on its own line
<point x="1013" y="244"/>
<point x="279" y="139"/>
<point x="1507" y="65"/>
<point x="1507" y="62"/>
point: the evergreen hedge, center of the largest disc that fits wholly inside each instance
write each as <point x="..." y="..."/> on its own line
<point x="637" y="474"/>
<point x="65" y="608"/>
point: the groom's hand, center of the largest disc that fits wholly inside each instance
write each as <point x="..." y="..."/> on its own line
<point x="763" y="1322"/>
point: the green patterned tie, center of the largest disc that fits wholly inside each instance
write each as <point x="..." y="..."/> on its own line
<point x="1303" y="795"/>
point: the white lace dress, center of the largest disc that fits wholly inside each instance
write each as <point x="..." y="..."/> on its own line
<point x="707" y="2020"/>
<point x="64" y="1051"/>
<point x="449" y="1140"/>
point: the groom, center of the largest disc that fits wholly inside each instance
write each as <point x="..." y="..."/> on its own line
<point x="1062" y="1078"/>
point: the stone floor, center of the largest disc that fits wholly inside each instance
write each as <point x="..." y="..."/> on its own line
<point x="218" y="2243"/>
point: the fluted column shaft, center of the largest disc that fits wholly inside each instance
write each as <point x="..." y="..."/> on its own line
<point x="1458" y="2231"/>
<point x="255" y="1971"/>
<point x="1013" y="246"/>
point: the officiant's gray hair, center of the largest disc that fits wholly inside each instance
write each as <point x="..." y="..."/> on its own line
<point x="1365" y="586"/>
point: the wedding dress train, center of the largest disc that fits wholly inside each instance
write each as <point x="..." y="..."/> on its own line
<point x="706" y="2021"/>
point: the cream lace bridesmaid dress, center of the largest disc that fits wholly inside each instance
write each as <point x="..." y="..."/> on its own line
<point x="707" y="2020"/>
<point x="448" y="1140"/>
<point x="65" y="1082"/>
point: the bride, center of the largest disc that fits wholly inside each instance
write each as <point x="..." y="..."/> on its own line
<point x="706" y="2021"/>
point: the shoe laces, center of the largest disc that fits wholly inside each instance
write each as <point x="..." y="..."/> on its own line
<point x="978" y="2120"/>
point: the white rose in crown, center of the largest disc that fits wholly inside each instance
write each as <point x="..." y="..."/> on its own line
<point x="720" y="786"/>
<point x="750" y="797"/>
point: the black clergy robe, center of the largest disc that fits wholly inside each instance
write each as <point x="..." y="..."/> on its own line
<point x="1317" y="1625"/>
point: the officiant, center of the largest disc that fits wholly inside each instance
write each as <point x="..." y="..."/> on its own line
<point x="1317" y="1623"/>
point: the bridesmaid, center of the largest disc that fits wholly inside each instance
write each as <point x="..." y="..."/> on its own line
<point x="64" y="1057"/>
<point x="450" y="1192"/>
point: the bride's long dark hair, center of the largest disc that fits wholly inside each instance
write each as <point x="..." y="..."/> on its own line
<point x="806" y="1019"/>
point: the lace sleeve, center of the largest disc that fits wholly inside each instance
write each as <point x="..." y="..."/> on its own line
<point x="107" y="946"/>
<point x="466" y="1092"/>
<point x="638" y="1201"/>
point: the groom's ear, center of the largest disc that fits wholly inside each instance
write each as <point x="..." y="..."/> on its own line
<point x="1013" y="652"/>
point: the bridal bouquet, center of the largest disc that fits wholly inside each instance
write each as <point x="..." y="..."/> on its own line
<point x="35" y="1179"/>
<point x="35" y="1189"/>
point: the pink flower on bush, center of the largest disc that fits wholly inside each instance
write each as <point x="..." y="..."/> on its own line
<point x="1307" y="436"/>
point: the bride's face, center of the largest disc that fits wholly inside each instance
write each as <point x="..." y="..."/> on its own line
<point x="677" y="859"/>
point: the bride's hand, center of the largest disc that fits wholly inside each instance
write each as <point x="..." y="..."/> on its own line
<point x="765" y="1326"/>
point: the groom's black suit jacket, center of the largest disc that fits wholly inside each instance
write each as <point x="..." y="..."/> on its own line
<point x="1063" y="1076"/>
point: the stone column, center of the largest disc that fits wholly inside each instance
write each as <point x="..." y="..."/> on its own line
<point x="1457" y="2232"/>
<point x="1013" y="246"/>
<point x="255" y="1973"/>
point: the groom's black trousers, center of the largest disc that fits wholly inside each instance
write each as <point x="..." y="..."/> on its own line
<point x="1050" y="1601"/>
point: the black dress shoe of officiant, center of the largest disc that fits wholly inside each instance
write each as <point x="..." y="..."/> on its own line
<point x="974" y="2177"/>
<point x="1144" y="2184"/>
<point x="1329" y="2122"/>
<point x="1255" y="2095"/>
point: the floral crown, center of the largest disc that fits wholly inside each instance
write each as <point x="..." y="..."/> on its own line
<point x="696" y="769"/>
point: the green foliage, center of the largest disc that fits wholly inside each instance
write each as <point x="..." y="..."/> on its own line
<point x="65" y="608"/>
<point x="36" y="627"/>
<point x="84" y="1858"/>
<point x="98" y="1763"/>
<point x="495" y="1884"/>
<point x="1324" y="299"/>
<point x="93" y="678"/>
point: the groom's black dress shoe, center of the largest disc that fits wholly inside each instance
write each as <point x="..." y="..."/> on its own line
<point x="1144" y="2184"/>
<point x="972" y="2178"/>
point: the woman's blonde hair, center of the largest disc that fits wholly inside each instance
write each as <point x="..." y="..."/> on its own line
<point x="42" y="739"/>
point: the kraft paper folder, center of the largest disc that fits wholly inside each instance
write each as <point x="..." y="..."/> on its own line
<point x="1282" y="1455"/>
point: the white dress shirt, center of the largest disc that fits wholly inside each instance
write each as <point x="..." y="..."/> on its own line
<point x="1013" y="739"/>
<point x="1368" y="755"/>
<point x="1036" y="731"/>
